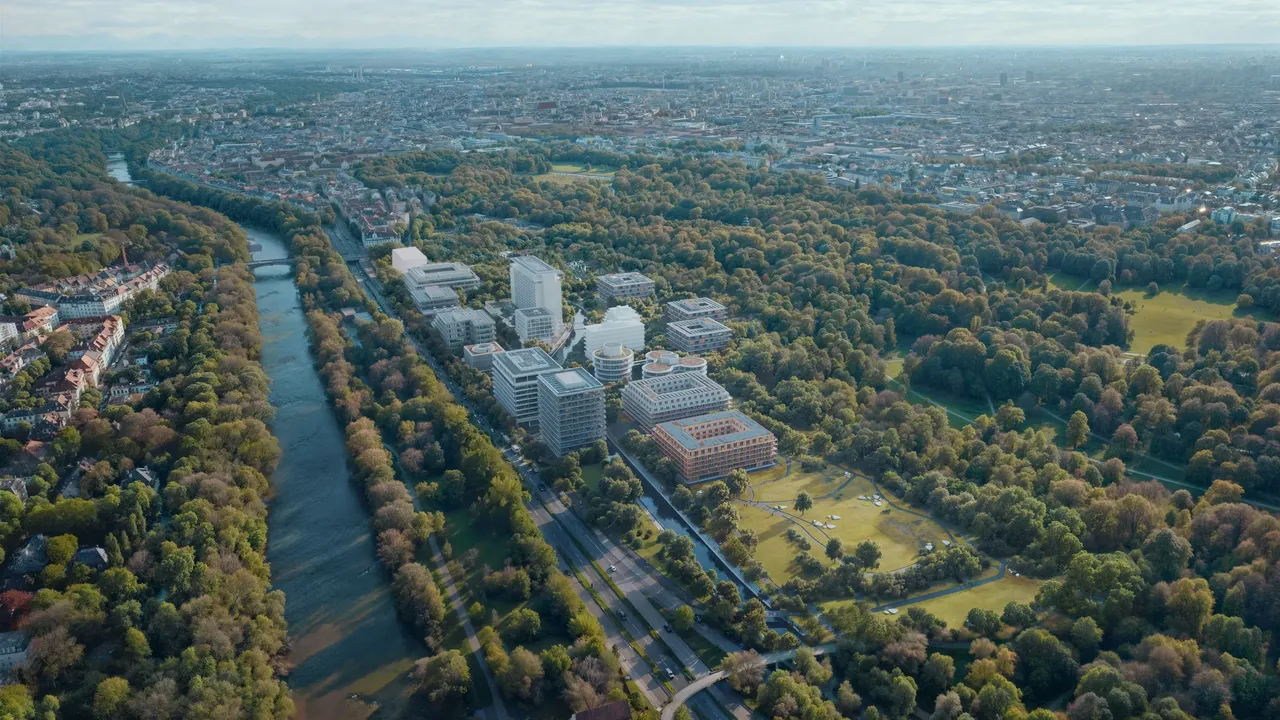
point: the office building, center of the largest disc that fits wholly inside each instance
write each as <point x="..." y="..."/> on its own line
<point x="449" y="275"/>
<point x="672" y="397"/>
<point x="623" y="286"/>
<point x="534" y="323"/>
<point x="612" y="363"/>
<point x="712" y="446"/>
<point x="463" y="326"/>
<point x="694" y="308"/>
<point x="570" y="410"/>
<point x="536" y="284"/>
<point x="658" y="363"/>
<point x="622" y="324"/>
<point x="405" y="259"/>
<point x="1004" y="79"/>
<point x="432" y="299"/>
<point x="515" y="381"/>
<point x="480" y="356"/>
<point x="698" y="335"/>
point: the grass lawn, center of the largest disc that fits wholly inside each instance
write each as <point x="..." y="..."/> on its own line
<point x="708" y="652"/>
<point x="1169" y="316"/>
<point x="578" y="168"/>
<point x="591" y="475"/>
<point x="961" y="411"/>
<point x="954" y="608"/>
<point x="899" y="534"/>
<point x="567" y="179"/>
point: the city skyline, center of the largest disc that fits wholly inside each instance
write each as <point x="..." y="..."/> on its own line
<point x="72" y="25"/>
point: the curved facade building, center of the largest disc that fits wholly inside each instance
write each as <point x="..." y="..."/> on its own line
<point x="692" y="364"/>
<point x="612" y="363"/>
<point x="656" y="369"/>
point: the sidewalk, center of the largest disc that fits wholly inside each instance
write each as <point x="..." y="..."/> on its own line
<point x="498" y="708"/>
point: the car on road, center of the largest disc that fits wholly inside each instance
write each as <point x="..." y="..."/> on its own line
<point x="671" y="675"/>
<point x="622" y="614"/>
<point x="697" y="618"/>
<point x="666" y="628"/>
<point x="613" y="568"/>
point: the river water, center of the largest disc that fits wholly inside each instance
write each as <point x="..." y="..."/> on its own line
<point x="346" y="638"/>
<point x="118" y="168"/>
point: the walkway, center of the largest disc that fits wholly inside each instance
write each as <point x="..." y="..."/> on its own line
<point x="499" y="709"/>
<point x="706" y="681"/>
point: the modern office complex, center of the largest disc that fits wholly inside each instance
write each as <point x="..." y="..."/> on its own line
<point x="481" y="356"/>
<point x="449" y="275"/>
<point x="463" y="326"/>
<point x="694" y="308"/>
<point x="659" y="363"/>
<point x="698" y="335"/>
<point x="622" y="324"/>
<point x="535" y="284"/>
<point x="712" y="446"/>
<point x="515" y="381"/>
<point x="672" y="397"/>
<point x="534" y="323"/>
<point x="612" y="363"/>
<point x="431" y="299"/>
<point x="623" y="286"/>
<point x="570" y="410"/>
<point x="405" y="259"/>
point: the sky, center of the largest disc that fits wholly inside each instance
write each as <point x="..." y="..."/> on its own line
<point x="432" y="24"/>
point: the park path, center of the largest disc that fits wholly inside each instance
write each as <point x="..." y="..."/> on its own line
<point x="499" y="709"/>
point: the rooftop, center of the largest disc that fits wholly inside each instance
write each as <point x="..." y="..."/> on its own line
<point x="670" y="385"/>
<point x="740" y="427"/>
<point x="613" y="350"/>
<point x="570" y="382"/>
<point x="526" y="360"/>
<point x="534" y="312"/>
<point x="698" y="326"/>
<point x="531" y="263"/>
<point x="624" y="278"/>
<point x="697" y="304"/>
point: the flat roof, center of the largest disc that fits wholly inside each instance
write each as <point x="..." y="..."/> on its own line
<point x="534" y="312"/>
<point x="624" y="278"/>
<point x="676" y="384"/>
<point x="698" y="326"/>
<point x="573" y="380"/>
<point x="532" y="263"/>
<point x="698" y="303"/>
<point x="526" y="360"/>
<point x="681" y="430"/>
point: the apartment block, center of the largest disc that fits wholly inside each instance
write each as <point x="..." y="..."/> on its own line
<point x="623" y="286"/>
<point x="464" y="326"/>
<point x="712" y="446"/>
<point x="570" y="410"/>
<point x="694" y="308"/>
<point x="698" y="335"/>
<point x="672" y="397"/>
<point x="515" y="381"/>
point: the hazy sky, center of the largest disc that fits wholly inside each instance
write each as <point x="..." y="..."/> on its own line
<point x="149" y="24"/>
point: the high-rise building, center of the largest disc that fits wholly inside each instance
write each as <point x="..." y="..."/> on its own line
<point x="536" y="284"/>
<point x="570" y="410"/>
<point x="464" y="326"/>
<point x="672" y="397"/>
<point x="693" y="308"/>
<point x="1031" y="76"/>
<point x="698" y="335"/>
<point x="515" y="381"/>
<point x="902" y="76"/>
<point x="623" y="286"/>
<point x="712" y="446"/>
<point x="1004" y="79"/>
<point x="622" y="324"/>
<point x="612" y="363"/>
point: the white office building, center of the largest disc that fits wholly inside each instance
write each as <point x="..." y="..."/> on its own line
<point x="449" y="275"/>
<point x="570" y="410"/>
<point x="481" y="355"/>
<point x="622" y="324"/>
<point x="698" y="335"/>
<point x="405" y="259"/>
<point x="693" y="308"/>
<point x="515" y="381"/>
<point x="535" y="323"/>
<point x="464" y="326"/>
<point x="432" y="299"/>
<point x="536" y="284"/>
<point x="612" y="363"/>
<point x="672" y="397"/>
<point x="623" y="286"/>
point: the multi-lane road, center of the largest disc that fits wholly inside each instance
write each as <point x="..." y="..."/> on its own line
<point x="590" y="554"/>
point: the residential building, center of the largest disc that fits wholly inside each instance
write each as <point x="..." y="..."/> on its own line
<point x="405" y="259"/>
<point x="13" y="654"/>
<point x="622" y="324"/>
<point x="570" y="410"/>
<point x="431" y="299"/>
<point x="672" y="397"/>
<point x="34" y="325"/>
<point x="712" y="446"/>
<point x="449" y="275"/>
<point x="15" y="485"/>
<point x="1223" y="215"/>
<point x="698" y="335"/>
<point x="515" y="381"/>
<point x="96" y="294"/>
<point x="481" y="356"/>
<point x="693" y="308"/>
<point x="536" y="284"/>
<point x="612" y="363"/>
<point x="534" y="323"/>
<point x="623" y="286"/>
<point x="464" y="326"/>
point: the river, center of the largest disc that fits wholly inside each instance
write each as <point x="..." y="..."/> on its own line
<point x="346" y="638"/>
<point x="118" y="168"/>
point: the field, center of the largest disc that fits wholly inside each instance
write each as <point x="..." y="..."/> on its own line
<point x="954" y="608"/>
<point x="575" y="172"/>
<point x="899" y="534"/>
<point x="1168" y="317"/>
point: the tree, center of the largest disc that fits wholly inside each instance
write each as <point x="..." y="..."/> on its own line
<point x="1019" y="615"/>
<point x="1010" y="416"/>
<point x="57" y="345"/>
<point x="1189" y="605"/>
<point x="53" y="653"/>
<point x="983" y="622"/>
<point x="902" y="694"/>
<point x="847" y="701"/>
<point x="110" y="697"/>
<point x="1077" y="430"/>
<point x="61" y="549"/>
<point x="445" y="678"/>
<point x="835" y="548"/>
<point x="804" y="502"/>
<point x="683" y="618"/>
<point x="1167" y="553"/>
<point x="868" y="554"/>
<point x="745" y="669"/>
<point x="523" y="625"/>
<point x="521" y="678"/>
<point x="1086" y="635"/>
